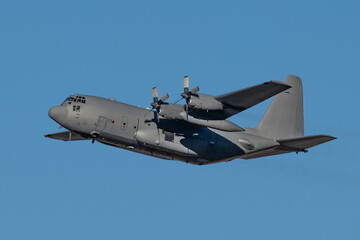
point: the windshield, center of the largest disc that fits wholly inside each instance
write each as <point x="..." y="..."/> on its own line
<point x="75" y="99"/>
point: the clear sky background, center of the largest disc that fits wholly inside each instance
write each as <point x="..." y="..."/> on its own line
<point x="57" y="190"/>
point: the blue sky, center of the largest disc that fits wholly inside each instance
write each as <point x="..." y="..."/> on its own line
<point x="56" y="190"/>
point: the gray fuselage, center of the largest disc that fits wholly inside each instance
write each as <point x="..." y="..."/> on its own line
<point x="140" y="130"/>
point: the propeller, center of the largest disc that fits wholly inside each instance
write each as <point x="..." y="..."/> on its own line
<point x="187" y="94"/>
<point x="157" y="103"/>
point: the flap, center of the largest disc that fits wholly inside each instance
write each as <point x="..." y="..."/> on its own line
<point x="65" y="136"/>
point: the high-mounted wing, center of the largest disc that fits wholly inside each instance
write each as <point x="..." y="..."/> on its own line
<point x="208" y="107"/>
<point x="66" y="136"/>
<point x="248" y="97"/>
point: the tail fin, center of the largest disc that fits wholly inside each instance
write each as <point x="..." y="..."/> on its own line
<point x="285" y="116"/>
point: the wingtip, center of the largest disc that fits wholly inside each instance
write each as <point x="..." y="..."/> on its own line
<point x="332" y="138"/>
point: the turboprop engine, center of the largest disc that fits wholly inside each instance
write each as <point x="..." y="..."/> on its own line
<point x="194" y="101"/>
<point x="205" y="102"/>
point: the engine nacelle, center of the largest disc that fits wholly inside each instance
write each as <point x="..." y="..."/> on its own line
<point x="205" y="102"/>
<point x="171" y="111"/>
<point x="223" y="125"/>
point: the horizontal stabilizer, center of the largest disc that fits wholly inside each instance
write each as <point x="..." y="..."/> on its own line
<point x="66" y="136"/>
<point x="303" y="143"/>
<point x="299" y="144"/>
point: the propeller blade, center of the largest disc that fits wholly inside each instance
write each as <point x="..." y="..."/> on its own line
<point x="178" y="100"/>
<point x="187" y="95"/>
<point x="186" y="84"/>
<point x="154" y="105"/>
<point x="155" y="94"/>
<point x="195" y="90"/>
<point x="164" y="98"/>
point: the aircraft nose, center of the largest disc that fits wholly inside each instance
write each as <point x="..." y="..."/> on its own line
<point x="59" y="114"/>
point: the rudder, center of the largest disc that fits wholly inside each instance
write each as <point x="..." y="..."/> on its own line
<point x="285" y="116"/>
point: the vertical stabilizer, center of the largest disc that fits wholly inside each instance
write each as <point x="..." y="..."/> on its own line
<point x="285" y="116"/>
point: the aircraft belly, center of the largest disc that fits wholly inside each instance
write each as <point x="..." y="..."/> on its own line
<point x="116" y="139"/>
<point x="152" y="138"/>
<point x="205" y="150"/>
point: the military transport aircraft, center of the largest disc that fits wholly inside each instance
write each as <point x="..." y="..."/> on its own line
<point x="196" y="132"/>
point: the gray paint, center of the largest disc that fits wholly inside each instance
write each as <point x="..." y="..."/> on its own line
<point x="284" y="117"/>
<point x="202" y="139"/>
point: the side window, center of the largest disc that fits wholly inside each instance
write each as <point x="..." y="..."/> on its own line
<point x="76" y="108"/>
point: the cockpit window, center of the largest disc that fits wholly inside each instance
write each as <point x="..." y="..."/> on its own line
<point x="79" y="99"/>
<point x="76" y="99"/>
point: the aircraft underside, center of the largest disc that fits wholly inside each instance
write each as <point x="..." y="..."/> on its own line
<point x="163" y="154"/>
